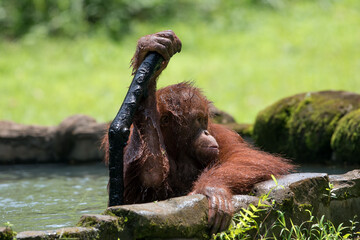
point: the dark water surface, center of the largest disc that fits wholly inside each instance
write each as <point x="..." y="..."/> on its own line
<point x="331" y="169"/>
<point x="50" y="196"/>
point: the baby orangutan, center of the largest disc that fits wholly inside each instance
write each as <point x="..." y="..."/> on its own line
<point x="174" y="149"/>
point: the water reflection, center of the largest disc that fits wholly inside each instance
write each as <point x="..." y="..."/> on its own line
<point x="50" y="196"/>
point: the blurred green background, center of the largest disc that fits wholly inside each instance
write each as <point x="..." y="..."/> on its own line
<point x="63" y="57"/>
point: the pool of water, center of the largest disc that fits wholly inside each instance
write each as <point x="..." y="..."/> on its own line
<point x="50" y="196"/>
<point x="329" y="169"/>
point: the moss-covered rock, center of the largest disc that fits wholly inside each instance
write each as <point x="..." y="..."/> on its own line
<point x="109" y="227"/>
<point x="289" y="196"/>
<point x="314" y="121"/>
<point x="302" y="126"/>
<point x="345" y="141"/>
<point x="271" y="128"/>
<point x="182" y="217"/>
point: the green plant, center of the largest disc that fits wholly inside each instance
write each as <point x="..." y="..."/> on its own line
<point x="245" y="222"/>
<point x="315" y="229"/>
<point x="330" y="194"/>
<point x="8" y="225"/>
<point x="246" y="225"/>
<point x="9" y="232"/>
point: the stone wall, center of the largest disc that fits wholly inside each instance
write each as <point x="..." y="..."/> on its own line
<point x="75" y="140"/>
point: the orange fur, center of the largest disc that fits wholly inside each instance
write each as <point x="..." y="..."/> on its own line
<point x="240" y="166"/>
<point x="236" y="169"/>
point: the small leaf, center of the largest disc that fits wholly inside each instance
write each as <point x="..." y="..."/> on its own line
<point x="274" y="179"/>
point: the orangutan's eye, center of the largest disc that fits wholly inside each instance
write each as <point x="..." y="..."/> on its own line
<point x="202" y="120"/>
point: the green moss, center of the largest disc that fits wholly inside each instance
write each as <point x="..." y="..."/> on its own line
<point x="87" y="222"/>
<point x="302" y="126"/>
<point x="313" y="123"/>
<point x="109" y="213"/>
<point x="271" y="129"/>
<point x="345" y="141"/>
<point x="108" y="228"/>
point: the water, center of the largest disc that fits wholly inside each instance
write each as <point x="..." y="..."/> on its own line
<point x="329" y="169"/>
<point x="50" y="196"/>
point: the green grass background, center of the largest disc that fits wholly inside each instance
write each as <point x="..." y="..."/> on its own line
<point x="245" y="60"/>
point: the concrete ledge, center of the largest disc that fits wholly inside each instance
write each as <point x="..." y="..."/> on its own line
<point x="63" y="233"/>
